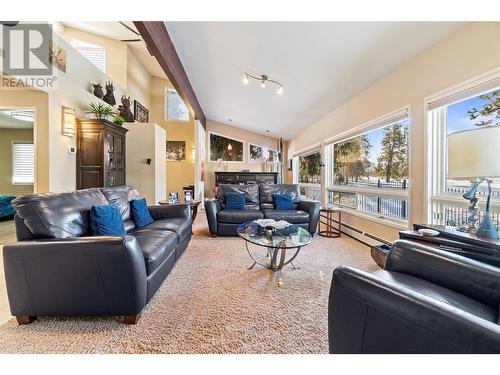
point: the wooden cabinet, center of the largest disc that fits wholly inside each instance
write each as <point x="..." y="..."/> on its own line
<point x="100" y="160"/>
<point x="244" y="178"/>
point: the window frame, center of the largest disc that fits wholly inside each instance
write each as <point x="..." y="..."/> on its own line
<point x="76" y="42"/>
<point x="436" y="158"/>
<point x="296" y="167"/>
<point x="403" y="113"/>
<point x="27" y="142"/>
<point x="165" y="105"/>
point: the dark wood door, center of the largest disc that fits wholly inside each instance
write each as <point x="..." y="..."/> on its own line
<point x="100" y="154"/>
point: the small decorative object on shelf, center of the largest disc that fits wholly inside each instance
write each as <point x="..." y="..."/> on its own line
<point x="124" y="109"/>
<point x="98" y="90"/>
<point x="99" y="111"/>
<point x="119" y="120"/>
<point x="109" y="97"/>
<point x="187" y="196"/>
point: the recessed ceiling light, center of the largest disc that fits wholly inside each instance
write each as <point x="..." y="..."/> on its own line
<point x="230" y="119"/>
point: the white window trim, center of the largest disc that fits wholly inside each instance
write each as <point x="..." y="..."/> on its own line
<point x="165" y="105"/>
<point x="77" y="43"/>
<point x="453" y="91"/>
<point x="12" y="164"/>
<point x="401" y="113"/>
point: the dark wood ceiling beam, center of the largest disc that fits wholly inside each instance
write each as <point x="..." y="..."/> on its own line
<point x="155" y="35"/>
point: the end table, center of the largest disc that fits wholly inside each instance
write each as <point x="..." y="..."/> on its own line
<point x="327" y="213"/>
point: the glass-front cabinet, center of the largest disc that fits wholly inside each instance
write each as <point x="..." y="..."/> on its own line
<point x="100" y="154"/>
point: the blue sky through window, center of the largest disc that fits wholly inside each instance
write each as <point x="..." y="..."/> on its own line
<point x="458" y="118"/>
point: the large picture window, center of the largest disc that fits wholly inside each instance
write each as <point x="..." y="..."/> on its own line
<point x="368" y="173"/>
<point x="459" y="112"/>
<point x="307" y="173"/>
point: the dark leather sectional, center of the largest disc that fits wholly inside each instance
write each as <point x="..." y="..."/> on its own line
<point x="425" y="300"/>
<point x="259" y="205"/>
<point x="58" y="268"/>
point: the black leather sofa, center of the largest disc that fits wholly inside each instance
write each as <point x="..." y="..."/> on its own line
<point x="259" y="205"/>
<point x="425" y="300"/>
<point x="58" y="268"/>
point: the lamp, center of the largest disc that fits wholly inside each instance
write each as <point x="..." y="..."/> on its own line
<point x="68" y="122"/>
<point x="473" y="155"/>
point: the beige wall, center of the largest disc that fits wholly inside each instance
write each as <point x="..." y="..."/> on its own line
<point x="179" y="173"/>
<point x="138" y="80"/>
<point x="116" y="52"/>
<point x="238" y="134"/>
<point x="472" y="50"/>
<point x="37" y="100"/>
<point x="6" y="138"/>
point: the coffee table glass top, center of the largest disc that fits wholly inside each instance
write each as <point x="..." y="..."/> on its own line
<point x="292" y="236"/>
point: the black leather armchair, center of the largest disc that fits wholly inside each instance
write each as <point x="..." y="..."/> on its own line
<point x="424" y="301"/>
<point x="259" y="205"/>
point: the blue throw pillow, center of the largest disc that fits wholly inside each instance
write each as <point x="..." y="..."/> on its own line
<point x="235" y="201"/>
<point x="106" y="220"/>
<point x="283" y="202"/>
<point x="140" y="212"/>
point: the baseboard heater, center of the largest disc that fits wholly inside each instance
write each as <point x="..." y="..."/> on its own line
<point x="362" y="236"/>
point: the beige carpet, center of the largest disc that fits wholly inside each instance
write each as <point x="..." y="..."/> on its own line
<point x="211" y="303"/>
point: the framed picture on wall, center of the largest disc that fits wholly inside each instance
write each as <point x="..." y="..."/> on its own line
<point x="227" y="149"/>
<point x="176" y="150"/>
<point x="141" y="114"/>
<point x="261" y="154"/>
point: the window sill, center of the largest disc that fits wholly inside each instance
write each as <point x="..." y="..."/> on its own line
<point x="382" y="192"/>
<point x="397" y="224"/>
<point x="23" y="183"/>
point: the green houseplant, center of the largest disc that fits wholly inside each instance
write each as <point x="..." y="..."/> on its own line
<point x="99" y="111"/>
<point x="119" y="120"/>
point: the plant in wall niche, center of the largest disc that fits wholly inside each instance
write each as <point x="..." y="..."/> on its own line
<point x="119" y="120"/>
<point x="99" y="111"/>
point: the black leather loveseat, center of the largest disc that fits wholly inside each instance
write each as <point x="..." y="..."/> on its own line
<point x="58" y="268"/>
<point x="259" y="205"/>
<point x="425" y="300"/>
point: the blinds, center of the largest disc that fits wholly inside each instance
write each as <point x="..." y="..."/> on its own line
<point x="462" y="93"/>
<point x="95" y="54"/>
<point x="389" y="119"/>
<point x="23" y="163"/>
<point x="175" y="107"/>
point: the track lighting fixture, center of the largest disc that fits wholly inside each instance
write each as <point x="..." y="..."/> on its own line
<point x="264" y="80"/>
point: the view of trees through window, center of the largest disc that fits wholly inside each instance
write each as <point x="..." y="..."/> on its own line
<point x="310" y="168"/>
<point x="378" y="158"/>
<point x="477" y="112"/>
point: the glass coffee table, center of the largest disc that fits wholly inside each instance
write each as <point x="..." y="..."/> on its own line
<point x="275" y="247"/>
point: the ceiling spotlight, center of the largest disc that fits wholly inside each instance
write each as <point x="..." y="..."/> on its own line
<point x="263" y="79"/>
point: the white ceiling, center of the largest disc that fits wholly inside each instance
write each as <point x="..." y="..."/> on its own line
<point x="115" y="30"/>
<point x="321" y="65"/>
<point x="8" y="122"/>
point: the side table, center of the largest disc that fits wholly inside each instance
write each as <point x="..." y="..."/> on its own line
<point x="327" y="213"/>
<point x="193" y="205"/>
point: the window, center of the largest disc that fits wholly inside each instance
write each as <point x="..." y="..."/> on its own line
<point x="175" y="109"/>
<point x="462" y="111"/>
<point x="368" y="173"/>
<point x="95" y="54"/>
<point x="308" y="174"/>
<point x="23" y="163"/>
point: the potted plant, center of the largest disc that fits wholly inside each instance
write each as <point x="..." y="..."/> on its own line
<point x="99" y="111"/>
<point x="119" y="120"/>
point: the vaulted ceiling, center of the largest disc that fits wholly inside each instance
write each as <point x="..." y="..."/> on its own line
<point x="321" y="65"/>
